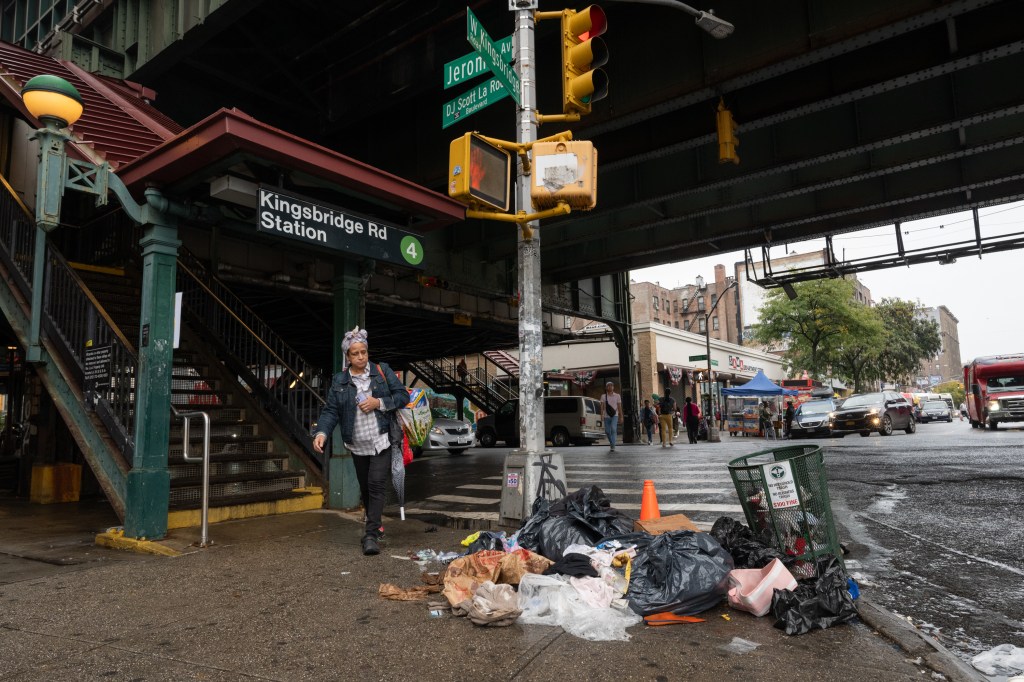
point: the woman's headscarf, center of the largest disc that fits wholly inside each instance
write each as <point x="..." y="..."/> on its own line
<point x="357" y="335"/>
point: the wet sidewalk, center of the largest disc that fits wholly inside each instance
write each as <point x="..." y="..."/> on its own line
<point x="292" y="598"/>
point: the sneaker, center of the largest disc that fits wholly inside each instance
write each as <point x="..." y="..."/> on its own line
<point x="612" y="449"/>
<point x="370" y="546"/>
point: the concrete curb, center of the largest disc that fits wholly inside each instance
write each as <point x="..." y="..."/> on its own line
<point x="916" y="643"/>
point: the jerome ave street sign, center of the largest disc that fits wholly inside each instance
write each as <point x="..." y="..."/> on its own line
<point x="326" y="227"/>
<point x="469" y="66"/>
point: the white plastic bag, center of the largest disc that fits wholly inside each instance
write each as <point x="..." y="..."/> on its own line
<point x="551" y="600"/>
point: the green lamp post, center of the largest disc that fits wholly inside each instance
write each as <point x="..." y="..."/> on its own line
<point x="57" y="104"/>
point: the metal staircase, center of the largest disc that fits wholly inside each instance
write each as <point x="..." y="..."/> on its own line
<point x="504" y="360"/>
<point x="489" y="390"/>
<point x="250" y="459"/>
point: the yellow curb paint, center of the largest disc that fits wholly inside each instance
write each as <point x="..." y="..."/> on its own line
<point x="192" y="518"/>
<point x="115" y="539"/>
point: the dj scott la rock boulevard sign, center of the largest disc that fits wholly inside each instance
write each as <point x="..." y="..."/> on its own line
<point x="323" y="226"/>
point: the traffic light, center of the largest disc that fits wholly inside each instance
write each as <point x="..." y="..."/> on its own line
<point x="582" y="52"/>
<point x="727" y="140"/>
<point x="479" y="172"/>
<point x="564" y="172"/>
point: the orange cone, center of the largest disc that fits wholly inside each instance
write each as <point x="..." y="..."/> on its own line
<point x="649" y="503"/>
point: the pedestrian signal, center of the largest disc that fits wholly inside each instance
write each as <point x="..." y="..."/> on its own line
<point x="479" y="173"/>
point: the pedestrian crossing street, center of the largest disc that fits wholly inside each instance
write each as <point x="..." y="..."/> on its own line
<point x="702" y="490"/>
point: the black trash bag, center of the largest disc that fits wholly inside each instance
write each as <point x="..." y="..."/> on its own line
<point x="583" y="517"/>
<point x="817" y="602"/>
<point x="678" y="571"/>
<point x="747" y="551"/>
<point x="486" y="540"/>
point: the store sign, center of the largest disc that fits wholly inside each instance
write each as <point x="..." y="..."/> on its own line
<point x="324" y="226"/>
<point x="737" y="363"/>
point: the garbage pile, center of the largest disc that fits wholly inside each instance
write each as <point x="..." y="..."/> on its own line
<point x="587" y="567"/>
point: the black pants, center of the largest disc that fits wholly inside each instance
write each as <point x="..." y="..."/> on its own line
<point x="692" y="425"/>
<point x="372" y="474"/>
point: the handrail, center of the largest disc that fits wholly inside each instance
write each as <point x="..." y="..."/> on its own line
<point x="186" y="417"/>
<point x="278" y="376"/>
<point x="73" y="320"/>
<point x="217" y="299"/>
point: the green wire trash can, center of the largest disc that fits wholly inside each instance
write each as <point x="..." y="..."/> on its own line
<point x="784" y="495"/>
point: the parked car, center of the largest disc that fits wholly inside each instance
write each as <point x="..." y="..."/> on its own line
<point x="935" y="410"/>
<point x="863" y="413"/>
<point x="811" y="419"/>
<point x="449" y="434"/>
<point x="567" y="419"/>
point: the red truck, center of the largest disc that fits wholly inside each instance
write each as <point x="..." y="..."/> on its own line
<point x="995" y="390"/>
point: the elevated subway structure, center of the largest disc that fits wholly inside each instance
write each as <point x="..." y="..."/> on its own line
<point x="850" y="116"/>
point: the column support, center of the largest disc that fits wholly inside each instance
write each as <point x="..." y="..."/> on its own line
<point x="349" y="311"/>
<point x="148" y="483"/>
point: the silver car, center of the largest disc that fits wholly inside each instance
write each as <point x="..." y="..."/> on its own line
<point x="449" y="434"/>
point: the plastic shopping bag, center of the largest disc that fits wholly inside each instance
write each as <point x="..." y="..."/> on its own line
<point x="415" y="417"/>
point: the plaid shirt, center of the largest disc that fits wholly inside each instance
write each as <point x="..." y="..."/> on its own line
<point x="366" y="436"/>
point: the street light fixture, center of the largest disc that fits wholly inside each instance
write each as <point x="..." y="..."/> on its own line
<point x="713" y="436"/>
<point x="707" y="21"/>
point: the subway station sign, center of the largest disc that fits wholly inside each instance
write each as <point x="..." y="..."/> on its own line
<point x="323" y="226"/>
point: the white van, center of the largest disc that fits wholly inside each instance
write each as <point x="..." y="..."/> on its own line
<point x="567" y="419"/>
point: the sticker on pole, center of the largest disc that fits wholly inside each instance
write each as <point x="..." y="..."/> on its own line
<point x="512" y="481"/>
<point x="778" y="478"/>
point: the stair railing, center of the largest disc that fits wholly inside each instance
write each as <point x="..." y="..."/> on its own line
<point x="280" y="377"/>
<point x="74" y="321"/>
<point x="490" y="391"/>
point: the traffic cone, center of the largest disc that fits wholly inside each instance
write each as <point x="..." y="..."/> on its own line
<point x="649" y="503"/>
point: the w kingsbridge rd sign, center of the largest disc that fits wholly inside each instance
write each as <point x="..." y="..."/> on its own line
<point x="323" y="226"/>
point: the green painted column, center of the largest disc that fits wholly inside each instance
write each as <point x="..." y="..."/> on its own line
<point x="148" y="485"/>
<point x="349" y="311"/>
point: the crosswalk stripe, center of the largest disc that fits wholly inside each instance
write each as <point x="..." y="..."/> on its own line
<point x="697" y="507"/>
<point x="646" y="466"/>
<point x="491" y="478"/>
<point x="493" y="516"/>
<point x="461" y="499"/>
<point x="576" y="480"/>
<point x="671" y="491"/>
<point x="479" y="486"/>
<point x="479" y="516"/>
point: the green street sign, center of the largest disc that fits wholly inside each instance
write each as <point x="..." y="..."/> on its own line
<point x="482" y="43"/>
<point x="472" y="101"/>
<point x="695" y="358"/>
<point x="471" y="65"/>
<point x="714" y="363"/>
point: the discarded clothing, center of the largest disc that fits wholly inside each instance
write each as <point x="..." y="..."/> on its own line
<point x="577" y="565"/>
<point x="594" y="591"/>
<point x="492" y="605"/>
<point x="515" y="565"/>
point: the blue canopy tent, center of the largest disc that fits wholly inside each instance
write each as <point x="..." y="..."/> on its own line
<point x="745" y="420"/>
<point x="759" y="385"/>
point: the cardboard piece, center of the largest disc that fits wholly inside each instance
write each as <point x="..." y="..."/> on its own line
<point x="665" y="524"/>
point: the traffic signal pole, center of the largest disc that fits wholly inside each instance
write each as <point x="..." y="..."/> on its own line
<point x="531" y="471"/>
<point x="531" y="341"/>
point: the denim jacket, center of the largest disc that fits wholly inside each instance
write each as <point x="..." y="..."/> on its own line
<point x="340" y="409"/>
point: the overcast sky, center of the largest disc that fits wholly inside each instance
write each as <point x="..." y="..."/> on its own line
<point x="983" y="294"/>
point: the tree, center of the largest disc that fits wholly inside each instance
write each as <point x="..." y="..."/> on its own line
<point x="814" y="325"/>
<point x="955" y="389"/>
<point x="909" y="340"/>
<point x="855" y="360"/>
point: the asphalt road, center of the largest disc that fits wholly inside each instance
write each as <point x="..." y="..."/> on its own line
<point x="933" y="520"/>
